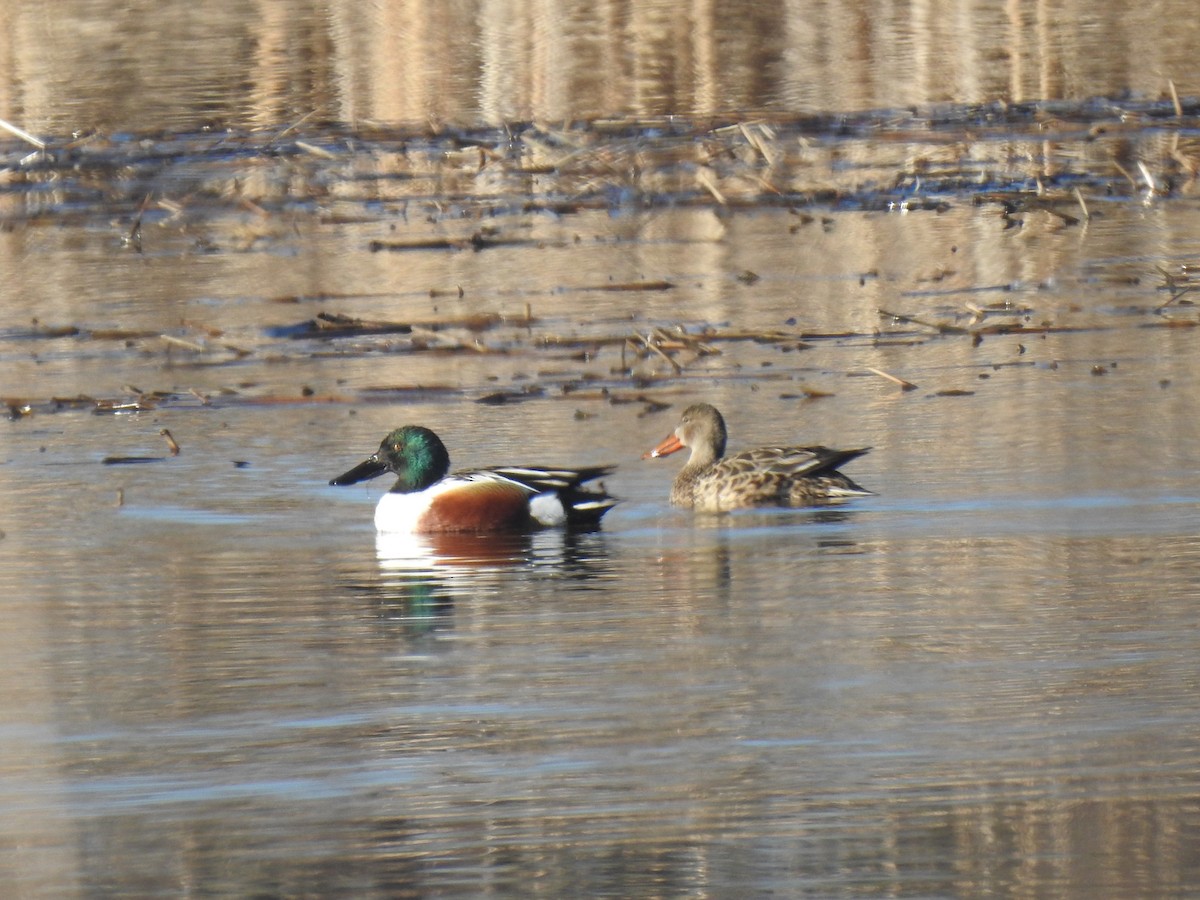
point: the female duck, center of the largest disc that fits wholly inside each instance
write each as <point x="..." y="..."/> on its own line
<point x="425" y="499"/>
<point x="767" y="476"/>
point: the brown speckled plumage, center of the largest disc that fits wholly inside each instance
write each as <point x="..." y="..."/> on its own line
<point x="766" y="476"/>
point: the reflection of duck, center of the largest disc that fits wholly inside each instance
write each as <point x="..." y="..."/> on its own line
<point x="422" y="576"/>
<point x="412" y="552"/>
<point x="767" y="476"/>
<point x="425" y="499"/>
<point x="451" y="555"/>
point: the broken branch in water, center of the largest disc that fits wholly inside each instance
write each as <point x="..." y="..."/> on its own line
<point x="663" y="342"/>
<point x="651" y="344"/>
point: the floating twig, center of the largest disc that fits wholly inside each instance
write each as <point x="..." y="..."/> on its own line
<point x="904" y="385"/>
<point x="629" y="286"/>
<point x="1128" y="177"/>
<point x="807" y="394"/>
<point x="22" y="134"/>
<point x="1177" y="287"/>
<point x="709" y="185"/>
<point x="314" y="150"/>
<point x="334" y="325"/>
<point x="1151" y="183"/>
<point x="940" y="328"/>
<point x="649" y="342"/>
<point x="477" y="241"/>
<point x="290" y="128"/>
<point x="134" y="238"/>
<point x="979" y="313"/>
<point x="1087" y="216"/>
<point x="173" y="341"/>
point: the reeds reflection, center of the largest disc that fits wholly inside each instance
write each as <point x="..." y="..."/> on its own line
<point x="414" y="62"/>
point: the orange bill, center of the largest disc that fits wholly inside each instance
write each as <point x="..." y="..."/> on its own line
<point x="669" y="445"/>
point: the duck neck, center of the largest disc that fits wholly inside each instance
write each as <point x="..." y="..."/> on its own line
<point x="704" y="456"/>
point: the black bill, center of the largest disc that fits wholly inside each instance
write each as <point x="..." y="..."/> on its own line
<point x="368" y="468"/>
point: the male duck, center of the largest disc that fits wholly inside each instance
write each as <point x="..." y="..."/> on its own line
<point x="767" y="476"/>
<point x="425" y="499"/>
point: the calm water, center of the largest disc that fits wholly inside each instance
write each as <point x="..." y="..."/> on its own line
<point x="984" y="680"/>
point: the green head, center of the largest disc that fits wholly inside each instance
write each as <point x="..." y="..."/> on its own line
<point x="414" y="454"/>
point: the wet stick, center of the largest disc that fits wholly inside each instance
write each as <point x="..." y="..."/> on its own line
<point x="22" y="134"/>
<point x="904" y="385"/>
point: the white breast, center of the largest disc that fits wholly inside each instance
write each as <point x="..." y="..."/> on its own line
<point x="399" y="513"/>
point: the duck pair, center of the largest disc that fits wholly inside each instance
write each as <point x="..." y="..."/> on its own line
<point x="427" y="499"/>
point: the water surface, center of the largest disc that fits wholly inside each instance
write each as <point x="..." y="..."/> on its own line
<point x="981" y="680"/>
